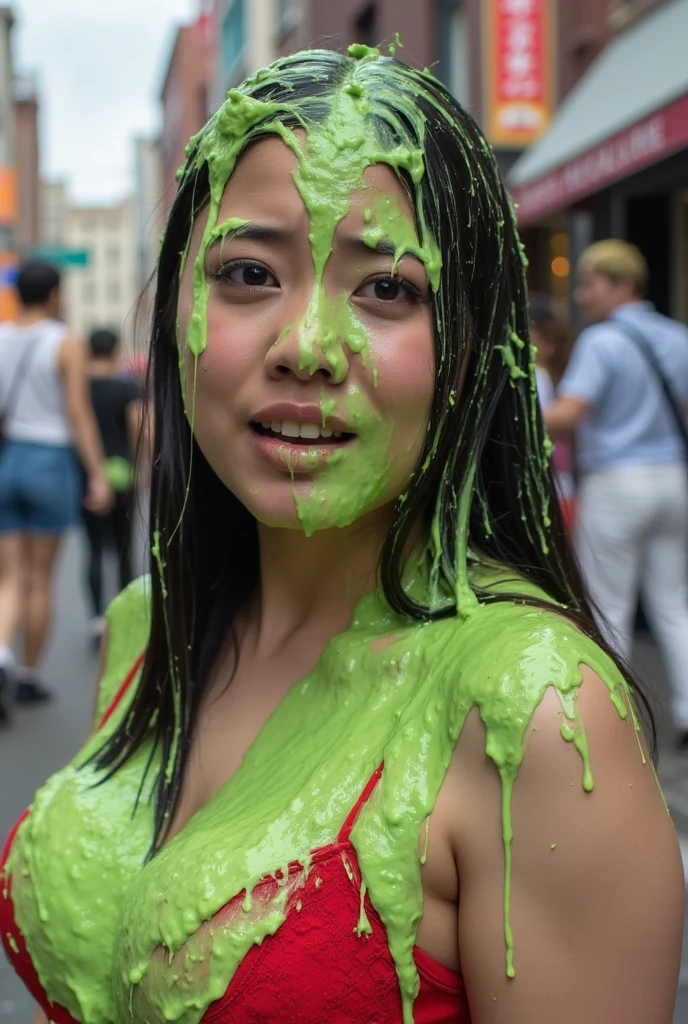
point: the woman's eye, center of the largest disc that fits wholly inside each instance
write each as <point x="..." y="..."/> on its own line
<point x="387" y="289"/>
<point x="247" y="275"/>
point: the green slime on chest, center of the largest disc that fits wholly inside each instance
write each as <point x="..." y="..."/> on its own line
<point x="84" y="898"/>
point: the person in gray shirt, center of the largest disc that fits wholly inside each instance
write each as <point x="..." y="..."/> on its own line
<point x="632" y="528"/>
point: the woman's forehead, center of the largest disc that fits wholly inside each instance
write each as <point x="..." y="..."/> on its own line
<point x="262" y="183"/>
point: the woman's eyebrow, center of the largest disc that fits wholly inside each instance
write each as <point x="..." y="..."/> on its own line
<point x="253" y="232"/>
<point x="356" y="245"/>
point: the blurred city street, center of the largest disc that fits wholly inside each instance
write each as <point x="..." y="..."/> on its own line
<point x="44" y="738"/>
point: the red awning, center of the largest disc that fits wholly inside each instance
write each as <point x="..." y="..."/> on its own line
<point x="642" y="145"/>
<point x="629" y="111"/>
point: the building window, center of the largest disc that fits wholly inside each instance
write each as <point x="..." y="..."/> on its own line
<point x="112" y="255"/>
<point x="113" y="291"/>
<point x="366" y="26"/>
<point x="233" y="38"/>
<point x="88" y="293"/>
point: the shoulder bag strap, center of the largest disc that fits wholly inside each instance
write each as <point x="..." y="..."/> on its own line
<point x="641" y="343"/>
<point x="18" y="378"/>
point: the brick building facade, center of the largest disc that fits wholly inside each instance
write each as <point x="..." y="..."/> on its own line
<point x="26" y="110"/>
<point x="185" y="98"/>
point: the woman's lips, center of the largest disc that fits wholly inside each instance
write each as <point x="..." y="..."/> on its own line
<point x="297" y="455"/>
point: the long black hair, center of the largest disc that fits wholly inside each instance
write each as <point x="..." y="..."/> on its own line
<point x="483" y="478"/>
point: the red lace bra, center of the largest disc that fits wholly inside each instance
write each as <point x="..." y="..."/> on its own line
<point x="317" y="967"/>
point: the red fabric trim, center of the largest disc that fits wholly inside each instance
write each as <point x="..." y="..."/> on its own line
<point x="436" y="974"/>
<point x="131" y="675"/>
<point x="345" y="831"/>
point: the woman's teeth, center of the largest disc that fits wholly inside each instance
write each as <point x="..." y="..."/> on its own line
<point x="310" y="431"/>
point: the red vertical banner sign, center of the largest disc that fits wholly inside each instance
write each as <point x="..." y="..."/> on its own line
<point x="519" y="43"/>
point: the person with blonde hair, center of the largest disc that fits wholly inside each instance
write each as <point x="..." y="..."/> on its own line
<point x="625" y="392"/>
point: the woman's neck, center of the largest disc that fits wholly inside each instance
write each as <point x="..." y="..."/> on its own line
<point x="311" y="584"/>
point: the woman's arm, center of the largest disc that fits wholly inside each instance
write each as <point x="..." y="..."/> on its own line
<point x="40" y="1018"/>
<point x="597" y="885"/>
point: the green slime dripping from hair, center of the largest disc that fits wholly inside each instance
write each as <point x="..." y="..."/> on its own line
<point x="331" y="167"/>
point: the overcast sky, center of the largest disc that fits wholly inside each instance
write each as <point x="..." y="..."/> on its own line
<point x="100" y="65"/>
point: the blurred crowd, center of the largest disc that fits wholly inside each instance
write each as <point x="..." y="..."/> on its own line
<point x="74" y="425"/>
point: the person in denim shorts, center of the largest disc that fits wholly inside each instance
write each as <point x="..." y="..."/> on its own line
<point x="47" y="420"/>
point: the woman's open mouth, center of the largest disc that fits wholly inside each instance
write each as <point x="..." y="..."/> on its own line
<point x="301" y="435"/>
<point x="298" y="447"/>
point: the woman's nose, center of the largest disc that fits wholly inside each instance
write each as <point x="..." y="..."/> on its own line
<point x="308" y="349"/>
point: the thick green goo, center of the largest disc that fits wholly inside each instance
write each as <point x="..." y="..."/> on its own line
<point x="384" y="691"/>
<point x="353" y="478"/>
<point x="386" y="222"/>
<point x="331" y="164"/>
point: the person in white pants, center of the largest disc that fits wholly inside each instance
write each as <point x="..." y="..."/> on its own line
<point x="632" y="530"/>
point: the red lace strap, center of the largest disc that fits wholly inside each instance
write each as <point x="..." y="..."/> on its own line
<point x="345" y="831"/>
<point x="128" y="680"/>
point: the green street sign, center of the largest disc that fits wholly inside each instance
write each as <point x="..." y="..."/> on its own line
<point x="60" y="256"/>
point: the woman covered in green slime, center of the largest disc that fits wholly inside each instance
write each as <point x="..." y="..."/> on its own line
<point x="377" y="765"/>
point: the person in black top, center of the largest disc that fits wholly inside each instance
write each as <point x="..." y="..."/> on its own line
<point x="117" y="403"/>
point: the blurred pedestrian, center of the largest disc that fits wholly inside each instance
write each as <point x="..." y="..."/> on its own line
<point x="626" y="392"/>
<point x="117" y="403"/>
<point x="46" y="413"/>
<point x="552" y="341"/>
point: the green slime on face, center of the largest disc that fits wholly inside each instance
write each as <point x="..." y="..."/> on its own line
<point x="403" y="703"/>
<point x="353" y="478"/>
<point x="386" y="222"/>
<point x="330" y="169"/>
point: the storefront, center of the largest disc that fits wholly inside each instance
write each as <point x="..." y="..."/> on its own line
<point x="615" y="162"/>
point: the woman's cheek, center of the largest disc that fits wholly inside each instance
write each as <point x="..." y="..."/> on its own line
<point x="406" y="381"/>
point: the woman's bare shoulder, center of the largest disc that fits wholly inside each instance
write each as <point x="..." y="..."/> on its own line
<point x="595" y="877"/>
